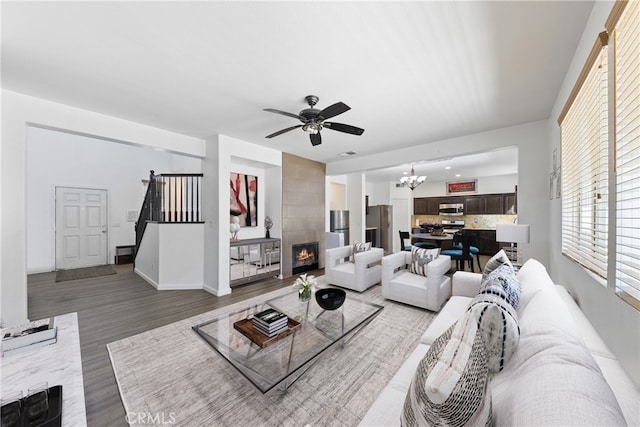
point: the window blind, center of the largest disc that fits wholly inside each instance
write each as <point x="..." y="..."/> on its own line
<point x="627" y="139"/>
<point x="584" y="153"/>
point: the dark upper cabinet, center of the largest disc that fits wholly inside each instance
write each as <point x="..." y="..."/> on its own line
<point x="494" y="204"/>
<point x="481" y="204"/>
<point x="474" y="205"/>
<point x="433" y="205"/>
<point x="510" y="204"/>
<point x="420" y="206"/>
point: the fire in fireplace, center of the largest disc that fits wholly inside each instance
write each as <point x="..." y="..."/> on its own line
<point x="305" y="257"/>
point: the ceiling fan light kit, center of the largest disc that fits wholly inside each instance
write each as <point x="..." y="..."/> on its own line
<point x="313" y="120"/>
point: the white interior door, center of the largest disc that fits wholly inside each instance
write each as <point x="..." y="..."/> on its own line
<point x="401" y="220"/>
<point x="81" y="227"/>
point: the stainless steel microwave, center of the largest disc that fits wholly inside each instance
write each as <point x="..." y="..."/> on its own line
<point x="451" y="209"/>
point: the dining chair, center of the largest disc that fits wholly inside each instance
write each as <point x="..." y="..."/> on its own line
<point x="405" y="235"/>
<point x="462" y="242"/>
<point x="473" y="246"/>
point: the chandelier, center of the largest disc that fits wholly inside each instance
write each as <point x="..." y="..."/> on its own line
<point x="412" y="181"/>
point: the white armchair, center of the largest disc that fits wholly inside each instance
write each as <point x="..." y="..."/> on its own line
<point x="400" y="284"/>
<point x="359" y="275"/>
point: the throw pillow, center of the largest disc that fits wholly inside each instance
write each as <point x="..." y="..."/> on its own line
<point x="450" y="383"/>
<point x="359" y="247"/>
<point x="420" y="259"/>
<point x="503" y="282"/>
<point x="496" y="261"/>
<point x="498" y="325"/>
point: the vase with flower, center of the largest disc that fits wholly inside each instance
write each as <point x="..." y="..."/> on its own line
<point x="305" y="283"/>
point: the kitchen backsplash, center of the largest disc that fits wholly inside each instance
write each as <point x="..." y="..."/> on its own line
<point x="483" y="222"/>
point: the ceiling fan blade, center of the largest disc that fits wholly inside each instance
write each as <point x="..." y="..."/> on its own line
<point x="284" y="113"/>
<point x="316" y="139"/>
<point x="341" y="127"/>
<point x="333" y="110"/>
<point x="280" y="132"/>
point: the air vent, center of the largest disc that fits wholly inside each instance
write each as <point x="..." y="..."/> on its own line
<point x="348" y="154"/>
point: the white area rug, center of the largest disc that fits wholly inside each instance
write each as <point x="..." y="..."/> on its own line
<point x="171" y="374"/>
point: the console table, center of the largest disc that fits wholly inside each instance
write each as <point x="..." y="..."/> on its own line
<point x="253" y="259"/>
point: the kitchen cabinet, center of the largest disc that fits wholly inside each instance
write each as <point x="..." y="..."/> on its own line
<point x="487" y="242"/>
<point x="485" y="204"/>
<point x="474" y="205"/>
<point x="433" y="205"/>
<point x="510" y="203"/>
<point x="477" y="204"/>
<point x="420" y="206"/>
<point x="494" y="204"/>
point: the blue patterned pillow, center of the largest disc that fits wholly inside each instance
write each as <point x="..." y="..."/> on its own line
<point x="503" y="282"/>
<point x="498" y="325"/>
<point x="420" y="258"/>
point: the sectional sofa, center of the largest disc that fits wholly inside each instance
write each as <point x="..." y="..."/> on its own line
<point x="561" y="373"/>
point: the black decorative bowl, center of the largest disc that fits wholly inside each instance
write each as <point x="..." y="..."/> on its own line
<point x="330" y="298"/>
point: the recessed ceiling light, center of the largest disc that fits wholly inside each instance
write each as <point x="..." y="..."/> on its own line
<point x="348" y="154"/>
<point x="447" y="167"/>
<point x="458" y="175"/>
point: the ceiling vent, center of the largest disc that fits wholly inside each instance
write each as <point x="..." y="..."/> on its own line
<point x="348" y="154"/>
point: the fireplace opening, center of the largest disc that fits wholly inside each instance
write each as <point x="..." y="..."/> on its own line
<point x="305" y="257"/>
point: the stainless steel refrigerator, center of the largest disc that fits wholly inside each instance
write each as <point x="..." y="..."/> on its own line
<point x="381" y="217"/>
<point x="339" y="223"/>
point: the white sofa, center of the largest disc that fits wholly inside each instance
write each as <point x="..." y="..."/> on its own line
<point x="429" y="292"/>
<point x="359" y="275"/>
<point x="561" y="373"/>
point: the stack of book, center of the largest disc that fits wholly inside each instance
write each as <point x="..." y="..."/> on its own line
<point x="22" y="338"/>
<point x="270" y="322"/>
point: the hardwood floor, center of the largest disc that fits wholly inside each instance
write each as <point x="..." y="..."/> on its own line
<point x="118" y="306"/>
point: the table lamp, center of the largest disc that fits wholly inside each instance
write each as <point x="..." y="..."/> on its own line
<point x="512" y="233"/>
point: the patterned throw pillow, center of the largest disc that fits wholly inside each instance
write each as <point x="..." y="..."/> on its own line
<point x="420" y="258"/>
<point x="495" y="308"/>
<point x="450" y="383"/>
<point x="503" y="282"/>
<point x="498" y="325"/>
<point x="359" y="247"/>
<point x="496" y="261"/>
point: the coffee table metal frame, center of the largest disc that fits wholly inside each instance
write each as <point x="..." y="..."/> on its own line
<point x="281" y="364"/>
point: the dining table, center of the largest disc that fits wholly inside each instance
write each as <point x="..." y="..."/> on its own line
<point x="438" y="239"/>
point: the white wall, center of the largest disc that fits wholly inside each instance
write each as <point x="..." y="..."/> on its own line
<point x="616" y="321"/>
<point x="180" y="256"/>
<point x="148" y="256"/>
<point x="223" y="153"/>
<point x="18" y="111"/>
<point x="63" y="159"/>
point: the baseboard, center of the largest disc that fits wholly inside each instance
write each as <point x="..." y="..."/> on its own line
<point x="179" y="287"/>
<point x="146" y="278"/>
<point x="215" y="292"/>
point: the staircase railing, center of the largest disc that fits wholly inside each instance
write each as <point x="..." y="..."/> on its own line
<point x="170" y="198"/>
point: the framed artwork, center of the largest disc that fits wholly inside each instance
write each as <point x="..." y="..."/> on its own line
<point x="244" y="199"/>
<point x="470" y="186"/>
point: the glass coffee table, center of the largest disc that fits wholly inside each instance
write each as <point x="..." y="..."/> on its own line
<point x="279" y="362"/>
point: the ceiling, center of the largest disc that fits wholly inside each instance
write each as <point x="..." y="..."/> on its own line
<point x="412" y="72"/>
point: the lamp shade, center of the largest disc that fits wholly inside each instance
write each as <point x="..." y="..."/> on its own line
<point x="512" y="233"/>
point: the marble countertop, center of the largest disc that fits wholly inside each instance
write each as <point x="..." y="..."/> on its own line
<point x="57" y="364"/>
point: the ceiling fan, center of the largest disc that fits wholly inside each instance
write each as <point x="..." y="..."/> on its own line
<point x="313" y="120"/>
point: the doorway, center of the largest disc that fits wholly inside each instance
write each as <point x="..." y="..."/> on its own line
<point x="81" y="227"/>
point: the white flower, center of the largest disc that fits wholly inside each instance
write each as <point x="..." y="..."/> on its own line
<point x="305" y="282"/>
